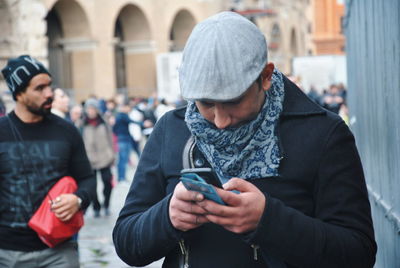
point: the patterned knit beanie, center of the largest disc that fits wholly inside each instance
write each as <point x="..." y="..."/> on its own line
<point x="19" y="71"/>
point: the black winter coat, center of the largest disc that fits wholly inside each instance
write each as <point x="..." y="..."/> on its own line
<point x="317" y="212"/>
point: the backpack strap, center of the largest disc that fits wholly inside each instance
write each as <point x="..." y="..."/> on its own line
<point x="187" y="154"/>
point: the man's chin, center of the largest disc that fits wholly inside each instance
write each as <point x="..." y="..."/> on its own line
<point x="41" y="112"/>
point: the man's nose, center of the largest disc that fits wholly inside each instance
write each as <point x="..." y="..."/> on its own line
<point x="48" y="92"/>
<point x="222" y="118"/>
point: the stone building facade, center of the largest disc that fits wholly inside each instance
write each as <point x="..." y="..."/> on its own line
<point x="288" y="31"/>
<point x="100" y="47"/>
<point x="328" y="37"/>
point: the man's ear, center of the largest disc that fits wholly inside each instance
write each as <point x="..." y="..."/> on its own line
<point x="18" y="96"/>
<point x="20" y="93"/>
<point x="266" y="75"/>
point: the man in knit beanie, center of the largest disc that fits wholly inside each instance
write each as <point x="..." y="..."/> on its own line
<point x="37" y="149"/>
<point x="19" y="71"/>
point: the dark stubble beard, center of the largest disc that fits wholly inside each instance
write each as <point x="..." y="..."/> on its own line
<point x="41" y="111"/>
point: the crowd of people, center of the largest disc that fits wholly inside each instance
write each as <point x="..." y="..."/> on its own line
<point x="114" y="128"/>
<point x="332" y="99"/>
<point x="111" y="130"/>
<point x="46" y="137"/>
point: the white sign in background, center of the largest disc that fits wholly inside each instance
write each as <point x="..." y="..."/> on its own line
<point x="320" y="71"/>
<point x="168" y="76"/>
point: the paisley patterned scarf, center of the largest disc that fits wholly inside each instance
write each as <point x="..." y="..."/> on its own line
<point x="250" y="151"/>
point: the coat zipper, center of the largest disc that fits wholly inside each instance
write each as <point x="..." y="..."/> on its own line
<point x="255" y="249"/>
<point x="185" y="253"/>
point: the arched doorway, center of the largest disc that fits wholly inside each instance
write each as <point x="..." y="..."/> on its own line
<point x="120" y="69"/>
<point x="276" y="38"/>
<point x="275" y="46"/>
<point x="181" y="28"/>
<point x="59" y="64"/>
<point x="134" y="53"/>
<point x="70" y="49"/>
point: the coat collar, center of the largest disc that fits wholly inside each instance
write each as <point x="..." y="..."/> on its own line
<point x="296" y="103"/>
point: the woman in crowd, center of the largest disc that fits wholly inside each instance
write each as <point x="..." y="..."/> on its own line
<point x="98" y="143"/>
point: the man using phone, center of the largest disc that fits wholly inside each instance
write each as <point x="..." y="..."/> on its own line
<point x="302" y="198"/>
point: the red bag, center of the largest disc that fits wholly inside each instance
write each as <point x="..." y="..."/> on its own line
<point x="50" y="229"/>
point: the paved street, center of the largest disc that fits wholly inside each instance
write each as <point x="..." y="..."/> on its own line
<point x="95" y="242"/>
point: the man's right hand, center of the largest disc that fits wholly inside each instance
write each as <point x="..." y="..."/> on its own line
<point x="184" y="213"/>
<point x="65" y="206"/>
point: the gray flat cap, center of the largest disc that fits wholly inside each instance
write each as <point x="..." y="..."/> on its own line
<point x="223" y="56"/>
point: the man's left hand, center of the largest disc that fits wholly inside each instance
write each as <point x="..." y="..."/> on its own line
<point x="242" y="212"/>
<point x="65" y="206"/>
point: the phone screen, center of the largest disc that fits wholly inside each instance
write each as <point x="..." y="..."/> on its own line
<point x="206" y="174"/>
<point x="193" y="182"/>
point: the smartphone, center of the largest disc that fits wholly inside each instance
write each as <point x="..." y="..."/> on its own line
<point x="206" y="174"/>
<point x="193" y="182"/>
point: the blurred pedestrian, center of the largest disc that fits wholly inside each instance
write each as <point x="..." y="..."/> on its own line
<point x="37" y="149"/>
<point x="111" y="112"/>
<point x="60" y="105"/>
<point x="102" y="106"/>
<point x="124" y="139"/>
<point x="162" y="108"/>
<point x="75" y="115"/>
<point x="342" y="91"/>
<point x="135" y="129"/>
<point x="97" y="137"/>
<point x="146" y="108"/>
<point x="333" y="99"/>
<point x="289" y="186"/>
<point x="314" y="95"/>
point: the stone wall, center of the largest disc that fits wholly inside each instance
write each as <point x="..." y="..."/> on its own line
<point x="83" y="58"/>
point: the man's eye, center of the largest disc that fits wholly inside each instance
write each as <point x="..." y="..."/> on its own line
<point x="233" y="102"/>
<point x="206" y="103"/>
